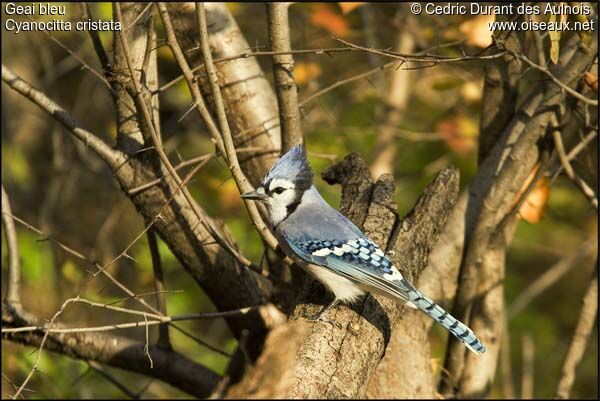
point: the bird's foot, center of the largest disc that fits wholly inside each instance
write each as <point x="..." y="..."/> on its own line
<point x="322" y="316"/>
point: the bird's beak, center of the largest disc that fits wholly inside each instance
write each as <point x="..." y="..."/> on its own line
<point x="258" y="195"/>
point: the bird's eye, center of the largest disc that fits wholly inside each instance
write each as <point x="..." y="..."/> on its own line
<point x="279" y="190"/>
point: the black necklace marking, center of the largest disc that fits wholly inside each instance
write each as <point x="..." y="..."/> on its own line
<point x="291" y="208"/>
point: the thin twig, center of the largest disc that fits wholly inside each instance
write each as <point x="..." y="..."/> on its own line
<point x="249" y="54"/>
<point x="576" y="150"/>
<point x="347" y="80"/>
<point x="419" y="57"/>
<point x="156" y="319"/>
<point x="159" y="286"/>
<point x="551" y="276"/>
<point x="201" y="160"/>
<point x="585" y="189"/>
<point x="147" y="345"/>
<point x="98" y="47"/>
<point x="585" y="325"/>
<point x="136" y="19"/>
<point x="13" y="297"/>
<point x="558" y="82"/>
<point x="425" y="58"/>
<point x="234" y="166"/>
<point x="111" y="156"/>
<point x="13" y="385"/>
<point x="152" y="130"/>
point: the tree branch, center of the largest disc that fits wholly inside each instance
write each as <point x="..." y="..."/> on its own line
<point x="249" y="101"/>
<point x="120" y="352"/>
<point x="13" y="297"/>
<point x="111" y="156"/>
<point x="585" y="325"/>
<point x="234" y="166"/>
<point x="283" y="73"/>
<point x="492" y="192"/>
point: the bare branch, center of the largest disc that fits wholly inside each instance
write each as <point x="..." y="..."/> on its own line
<point x="551" y="276"/>
<point x="234" y="166"/>
<point x="159" y="286"/>
<point x="345" y="81"/>
<point x="283" y="73"/>
<point x="111" y="156"/>
<point x="98" y="47"/>
<point x="581" y="184"/>
<point x="158" y="319"/>
<point x="121" y="352"/>
<point x="493" y="190"/>
<point x="248" y="98"/>
<point x="13" y="297"/>
<point x="576" y="150"/>
<point x="585" y="325"/>
<point x="554" y="79"/>
<point x="151" y="128"/>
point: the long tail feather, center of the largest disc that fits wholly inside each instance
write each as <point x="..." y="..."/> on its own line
<point x="457" y="328"/>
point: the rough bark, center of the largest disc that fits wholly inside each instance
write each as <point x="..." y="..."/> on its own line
<point x="337" y="360"/>
<point x="180" y="227"/>
<point x="492" y="192"/>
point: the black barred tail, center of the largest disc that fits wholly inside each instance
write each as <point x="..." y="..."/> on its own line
<point x="458" y="329"/>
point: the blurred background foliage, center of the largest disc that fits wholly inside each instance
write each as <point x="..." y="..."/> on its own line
<point x="57" y="185"/>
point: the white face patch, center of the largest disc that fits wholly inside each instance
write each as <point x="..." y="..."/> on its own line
<point x="282" y="194"/>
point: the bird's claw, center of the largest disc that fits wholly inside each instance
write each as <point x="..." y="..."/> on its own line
<point x="322" y="317"/>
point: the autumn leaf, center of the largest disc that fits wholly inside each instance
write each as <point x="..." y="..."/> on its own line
<point x="348" y="7"/>
<point x="533" y="207"/>
<point x="591" y="80"/>
<point x="554" y="40"/>
<point x="532" y="210"/>
<point x="323" y="16"/>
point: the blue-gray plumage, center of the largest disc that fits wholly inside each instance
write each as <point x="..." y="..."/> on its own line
<point x="338" y="253"/>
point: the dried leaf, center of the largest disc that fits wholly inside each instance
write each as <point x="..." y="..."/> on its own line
<point x="348" y="7"/>
<point x="533" y="208"/>
<point x="591" y="80"/>
<point x="554" y="40"/>
<point x="476" y="30"/>
<point x="323" y="16"/>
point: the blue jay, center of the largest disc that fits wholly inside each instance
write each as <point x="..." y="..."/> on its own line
<point x="337" y="253"/>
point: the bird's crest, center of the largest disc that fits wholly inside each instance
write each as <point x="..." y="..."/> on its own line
<point x="293" y="166"/>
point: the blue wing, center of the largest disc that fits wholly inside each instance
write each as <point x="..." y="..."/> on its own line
<point x="362" y="262"/>
<point x="358" y="260"/>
